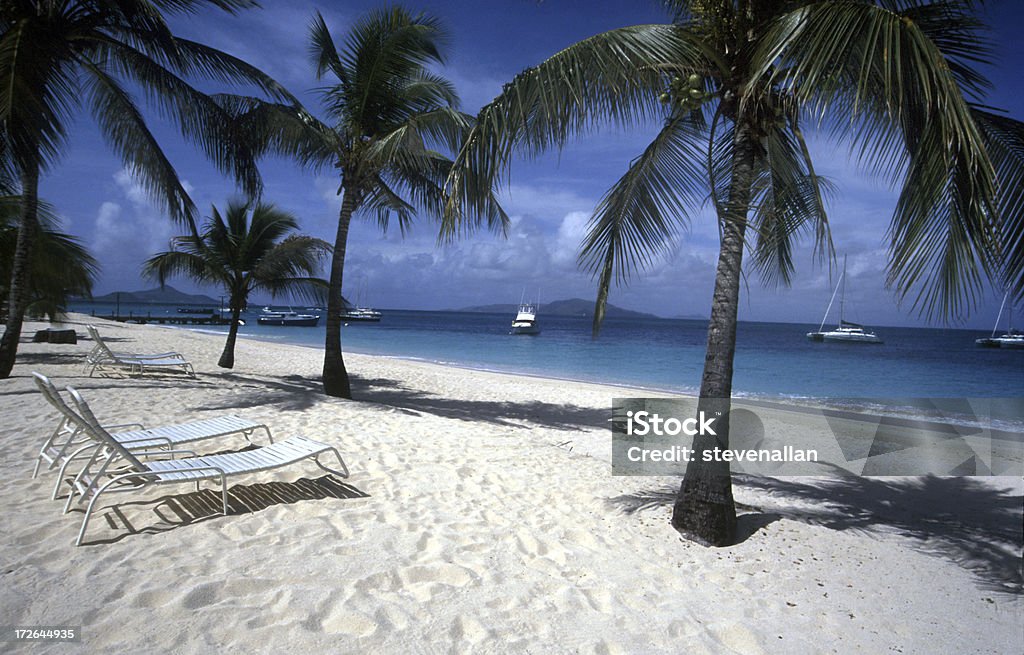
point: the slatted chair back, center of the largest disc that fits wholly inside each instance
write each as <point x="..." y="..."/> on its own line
<point x="92" y="427"/>
<point x="101" y="346"/>
<point x="52" y="396"/>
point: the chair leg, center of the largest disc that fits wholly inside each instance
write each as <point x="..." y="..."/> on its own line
<point x="63" y="472"/>
<point x="88" y="512"/>
<point x="224" y="492"/>
<point x="343" y="472"/>
<point x="71" y="497"/>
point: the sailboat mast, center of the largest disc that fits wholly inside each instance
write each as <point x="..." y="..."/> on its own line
<point x="821" y="328"/>
<point x="995" y="328"/>
<point x="842" y="295"/>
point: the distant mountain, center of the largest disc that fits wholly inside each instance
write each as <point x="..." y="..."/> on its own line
<point x="571" y="307"/>
<point x="166" y="296"/>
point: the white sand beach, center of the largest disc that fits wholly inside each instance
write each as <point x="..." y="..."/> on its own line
<point x="480" y="516"/>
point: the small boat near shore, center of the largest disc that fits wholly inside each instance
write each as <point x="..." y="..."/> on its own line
<point x="525" y="321"/>
<point x="846" y="331"/>
<point x="287" y="319"/>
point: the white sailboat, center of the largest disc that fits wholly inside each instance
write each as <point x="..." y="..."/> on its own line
<point x="1012" y="339"/>
<point x="846" y="331"/>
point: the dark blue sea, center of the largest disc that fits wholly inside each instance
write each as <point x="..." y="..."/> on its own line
<point x="772" y="359"/>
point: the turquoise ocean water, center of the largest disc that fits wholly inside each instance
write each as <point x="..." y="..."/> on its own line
<point x="772" y="359"/>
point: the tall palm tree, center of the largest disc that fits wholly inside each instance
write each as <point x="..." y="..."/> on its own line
<point x="58" y="55"/>
<point x="60" y="268"/>
<point x="735" y="83"/>
<point x="390" y="121"/>
<point x="247" y="249"/>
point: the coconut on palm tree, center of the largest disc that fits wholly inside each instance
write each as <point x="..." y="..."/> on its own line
<point x="250" y="248"/>
<point x="735" y="84"/>
<point x="59" y="56"/>
<point x="390" y="121"/>
<point x="60" y="269"/>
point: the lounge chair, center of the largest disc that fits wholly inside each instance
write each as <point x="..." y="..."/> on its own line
<point x="102" y="357"/>
<point x="100" y="344"/>
<point x="68" y="441"/>
<point x="114" y="467"/>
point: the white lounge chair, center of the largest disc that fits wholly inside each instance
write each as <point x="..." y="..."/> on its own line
<point x="68" y="443"/>
<point x="102" y="357"/>
<point x="114" y="467"/>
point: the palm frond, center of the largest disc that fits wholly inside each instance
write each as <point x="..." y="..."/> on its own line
<point x="266" y="127"/>
<point x="788" y="202"/>
<point x="383" y="202"/>
<point x="165" y="265"/>
<point x="640" y="216"/>
<point x="893" y="80"/>
<point x="1004" y="138"/>
<point x="613" y="77"/>
<point x="123" y="125"/>
<point x="37" y="94"/>
<point x="323" y="52"/>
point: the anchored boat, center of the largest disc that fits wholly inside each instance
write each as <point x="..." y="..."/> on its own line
<point x="526" y="320"/>
<point x="1011" y="340"/>
<point x="287" y="319"/>
<point x="846" y="331"/>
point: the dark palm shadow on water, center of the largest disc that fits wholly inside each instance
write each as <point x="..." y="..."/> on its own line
<point x="973" y="524"/>
<point x="296" y="393"/>
<point x="171" y="512"/>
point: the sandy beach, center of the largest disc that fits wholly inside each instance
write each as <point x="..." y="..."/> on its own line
<point x="480" y="516"/>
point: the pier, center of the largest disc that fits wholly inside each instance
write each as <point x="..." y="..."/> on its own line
<point x="160" y="319"/>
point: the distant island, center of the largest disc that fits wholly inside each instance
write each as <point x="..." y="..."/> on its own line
<point x="166" y="296"/>
<point x="690" y="317"/>
<point x="572" y="307"/>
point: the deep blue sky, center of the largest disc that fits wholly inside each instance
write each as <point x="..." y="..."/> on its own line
<point x="549" y="199"/>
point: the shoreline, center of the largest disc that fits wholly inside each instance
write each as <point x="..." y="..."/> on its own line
<point x="480" y="514"/>
<point x="848" y="407"/>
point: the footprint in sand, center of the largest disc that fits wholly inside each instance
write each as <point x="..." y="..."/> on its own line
<point x="446" y="574"/>
<point x="599" y="599"/>
<point x="468" y="629"/>
<point x="349" y="623"/>
<point x="383" y="581"/>
<point x="736" y="637"/>
<point x="427" y="546"/>
<point x="202" y="595"/>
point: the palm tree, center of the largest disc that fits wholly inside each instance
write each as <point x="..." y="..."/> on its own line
<point x="248" y="249"/>
<point x="61" y="267"/>
<point x="738" y="82"/>
<point x="390" y="119"/>
<point x="58" y="55"/>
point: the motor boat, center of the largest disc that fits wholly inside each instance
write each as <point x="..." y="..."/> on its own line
<point x="526" y="320"/>
<point x="287" y="319"/>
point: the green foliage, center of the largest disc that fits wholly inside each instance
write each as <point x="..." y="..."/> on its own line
<point x="61" y="267"/>
<point x="899" y="81"/>
<point x="249" y="248"/>
<point x="57" y="56"/>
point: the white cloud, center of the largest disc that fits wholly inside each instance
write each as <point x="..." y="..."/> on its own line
<point x="127" y="230"/>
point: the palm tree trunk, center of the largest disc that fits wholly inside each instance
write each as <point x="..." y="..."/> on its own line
<point x="336" y="381"/>
<point x="18" y="299"/>
<point x="227" y="358"/>
<point x="704" y="510"/>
